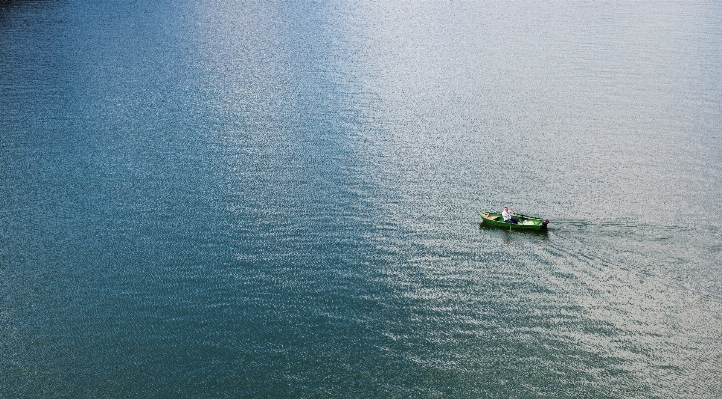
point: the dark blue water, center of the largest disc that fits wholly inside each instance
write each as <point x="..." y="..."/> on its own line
<point x="261" y="199"/>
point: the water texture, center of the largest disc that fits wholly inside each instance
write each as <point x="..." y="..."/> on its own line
<point x="278" y="199"/>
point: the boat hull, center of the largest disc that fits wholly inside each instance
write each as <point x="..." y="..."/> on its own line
<point x="494" y="219"/>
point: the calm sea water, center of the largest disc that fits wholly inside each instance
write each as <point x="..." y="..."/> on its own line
<point x="278" y="199"/>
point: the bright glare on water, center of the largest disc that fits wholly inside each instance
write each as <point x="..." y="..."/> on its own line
<point x="279" y="199"/>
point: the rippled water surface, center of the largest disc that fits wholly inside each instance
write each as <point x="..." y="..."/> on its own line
<point x="263" y="199"/>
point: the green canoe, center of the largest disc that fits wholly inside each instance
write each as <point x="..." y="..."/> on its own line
<point x="494" y="219"/>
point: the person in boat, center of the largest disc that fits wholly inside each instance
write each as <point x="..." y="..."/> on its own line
<point x="506" y="213"/>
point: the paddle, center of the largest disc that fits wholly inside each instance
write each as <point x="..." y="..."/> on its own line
<point x="526" y="216"/>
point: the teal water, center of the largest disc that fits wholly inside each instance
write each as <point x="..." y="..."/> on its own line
<point x="262" y="199"/>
